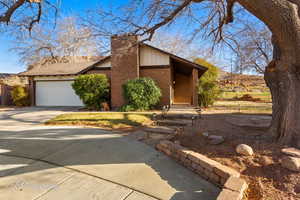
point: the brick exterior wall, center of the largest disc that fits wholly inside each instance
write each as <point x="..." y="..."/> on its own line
<point x="125" y="65"/>
<point x="163" y="79"/>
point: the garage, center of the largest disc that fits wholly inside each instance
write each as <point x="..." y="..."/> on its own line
<point x="56" y="93"/>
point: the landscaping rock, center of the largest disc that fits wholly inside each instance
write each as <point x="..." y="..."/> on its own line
<point x="244" y="149"/>
<point x="291" y="152"/>
<point x="160" y="130"/>
<point x="177" y="142"/>
<point x="291" y="163"/>
<point x="215" y="139"/>
<point x="265" y="160"/>
<point x="297" y="189"/>
<point x="205" y="134"/>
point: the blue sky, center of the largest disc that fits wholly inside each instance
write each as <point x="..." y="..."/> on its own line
<point x="9" y="61"/>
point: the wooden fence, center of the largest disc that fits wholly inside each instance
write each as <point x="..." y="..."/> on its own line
<point x="5" y="96"/>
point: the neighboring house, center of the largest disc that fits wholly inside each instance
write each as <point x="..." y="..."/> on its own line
<point x="177" y="77"/>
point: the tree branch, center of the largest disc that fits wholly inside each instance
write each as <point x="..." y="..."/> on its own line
<point x="10" y="11"/>
<point x="37" y="19"/>
<point x="169" y="18"/>
<point x="229" y="9"/>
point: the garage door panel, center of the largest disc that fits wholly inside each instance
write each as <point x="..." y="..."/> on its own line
<point x="56" y="93"/>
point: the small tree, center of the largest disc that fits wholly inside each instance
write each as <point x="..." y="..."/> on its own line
<point x="208" y="89"/>
<point x="141" y="94"/>
<point x="93" y="89"/>
<point x="20" y="96"/>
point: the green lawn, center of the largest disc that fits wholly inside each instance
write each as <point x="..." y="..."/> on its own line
<point x="107" y="120"/>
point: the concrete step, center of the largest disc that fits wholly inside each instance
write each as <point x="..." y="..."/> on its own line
<point x="160" y="129"/>
<point x="174" y="122"/>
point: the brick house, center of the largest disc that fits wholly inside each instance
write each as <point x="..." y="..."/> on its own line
<point x="177" y="77"/>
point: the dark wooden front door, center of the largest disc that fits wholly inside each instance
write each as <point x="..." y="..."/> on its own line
<point x="182" y="89"/>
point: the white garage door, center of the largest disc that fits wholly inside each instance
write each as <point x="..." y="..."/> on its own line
<point x="56" y="93"/>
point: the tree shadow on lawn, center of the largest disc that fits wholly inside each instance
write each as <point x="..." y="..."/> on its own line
<point x="104" y="154"/>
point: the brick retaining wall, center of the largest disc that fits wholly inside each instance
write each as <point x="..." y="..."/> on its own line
<point x="222" y="176"/>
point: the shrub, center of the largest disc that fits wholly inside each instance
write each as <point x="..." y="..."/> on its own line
<point x="127" y="108"/>
<point x="20" y="96"/>
<point x="93" y="89"/>
<point x="141" y="94"/>
<point x="208" y="89"/>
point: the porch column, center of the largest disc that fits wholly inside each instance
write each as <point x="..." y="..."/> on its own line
<point x="195" y="87"/>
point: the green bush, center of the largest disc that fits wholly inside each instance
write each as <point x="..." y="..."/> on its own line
<point x="93" y="90"/>
<point x="127" y="108"/>
<point x="20" y="96"/>
<point x="208" y="89"/>
<point x="141" y="94"/>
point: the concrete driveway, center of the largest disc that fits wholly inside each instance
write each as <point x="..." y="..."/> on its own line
<point x="42" y="162"/>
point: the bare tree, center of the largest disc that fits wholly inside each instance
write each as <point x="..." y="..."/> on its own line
<point x="253" y="50"/>
<point x="282" y="74"/>
<point x="25" y="13"/>
<point x="69" y="42"/>
<point x="176" y="44"/>
<point x="282" y="17"/>
<point x="184" y="47"/>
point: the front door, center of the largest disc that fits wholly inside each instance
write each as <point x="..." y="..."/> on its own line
<point x="182" y="89"/>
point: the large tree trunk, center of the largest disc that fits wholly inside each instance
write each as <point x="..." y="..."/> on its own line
<point x="285" y="90"/>
<point x="283" y="73"/>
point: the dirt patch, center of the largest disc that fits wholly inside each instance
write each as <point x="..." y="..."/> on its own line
<point x="266" y="178"/>
<point x="247" y="97"/>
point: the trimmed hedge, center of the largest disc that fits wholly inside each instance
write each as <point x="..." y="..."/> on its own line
<point x="93" y="90"/>
<point x="141" y="94"/>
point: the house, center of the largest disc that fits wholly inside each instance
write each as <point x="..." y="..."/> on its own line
<point x="50" y="85"/>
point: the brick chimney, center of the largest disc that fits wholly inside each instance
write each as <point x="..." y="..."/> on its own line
<point x="125" y="65"/>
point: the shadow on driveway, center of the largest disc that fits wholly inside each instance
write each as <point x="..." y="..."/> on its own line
<point x="106" y="155"/>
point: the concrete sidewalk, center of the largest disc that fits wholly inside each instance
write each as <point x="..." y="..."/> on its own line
<point x="42" y="162"/>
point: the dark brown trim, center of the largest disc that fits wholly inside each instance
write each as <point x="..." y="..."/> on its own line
<point x="155" y="67"/>
<point x="101" y="68"/>
<point x="34" y="92"/>
<point x="46" y="75"/>
<point x="54" y="80"/>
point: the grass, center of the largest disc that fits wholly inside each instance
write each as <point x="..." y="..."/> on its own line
<point x="242" y="107"/>
<point x="115" y="120"/>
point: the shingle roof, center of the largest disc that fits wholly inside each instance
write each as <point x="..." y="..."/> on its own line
<point x="71" y="68"/>
<point x="81" y="67"/>
<point x="57" y="69"/>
